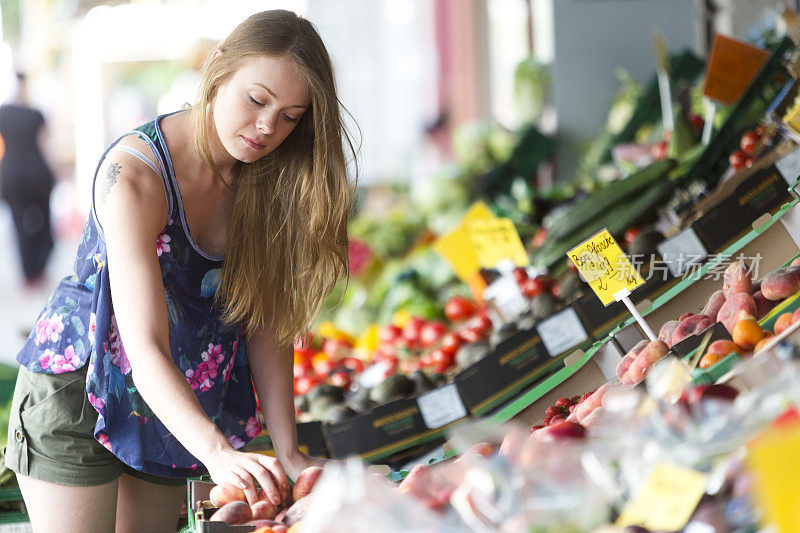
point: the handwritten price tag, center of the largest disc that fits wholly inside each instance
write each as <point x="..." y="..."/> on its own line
<point x="496" y="240"/>
<point x="774" y="460"/>
<point x="441" y="406"/>
<point x="667" y="499"/>
<point x="456" y="247"/>
<point x="605" y="267"/>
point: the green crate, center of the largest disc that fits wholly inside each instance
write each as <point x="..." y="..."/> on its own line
<point x="711" y="375"/>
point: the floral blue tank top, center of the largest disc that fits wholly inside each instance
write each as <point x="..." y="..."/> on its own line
<point x="78" y="327"/>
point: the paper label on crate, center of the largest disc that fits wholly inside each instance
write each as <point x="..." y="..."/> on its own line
<point x="667" y="499"/>
<point x="496" y="240"/>
<point x="731" y="67"/>
<point x="604" y="266"/>
<point x="682" y="251"/>
<point x="441" y="406"/>
<point x="561" y="331"/>
<point x="505" y="299"/>
<point x="774" y="461"/>
<point x="789" y="166"/>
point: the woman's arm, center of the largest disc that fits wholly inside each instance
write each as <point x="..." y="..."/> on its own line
<point x="132" y="209"/>
<point x="272" y="368"/>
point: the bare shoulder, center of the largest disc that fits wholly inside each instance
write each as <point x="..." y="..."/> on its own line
<point x="127" y="184"/>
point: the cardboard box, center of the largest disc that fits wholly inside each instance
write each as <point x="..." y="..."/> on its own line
<point x="310" y="440"/>
<point x="728" y="213"/>
<point x="514" y="364"/>
<point x="397" y="425"/>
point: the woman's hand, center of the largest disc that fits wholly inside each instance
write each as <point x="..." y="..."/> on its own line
<point x="297" y="461"/>
<point x="240" y="468"/>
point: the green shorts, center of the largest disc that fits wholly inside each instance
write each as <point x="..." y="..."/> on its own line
<point x="51" y="434"/>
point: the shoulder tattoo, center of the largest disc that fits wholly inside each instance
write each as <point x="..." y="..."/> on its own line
<point x="112" y="172"/>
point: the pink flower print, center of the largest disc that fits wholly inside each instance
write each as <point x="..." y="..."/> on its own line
<point x="192" y="378"/>
<point x="41" y="330"/>
<point x="253" y="427"/>
<point x="206" y="384"/>
<point x="46" y="359"/>
<point x="114" y="347"/>
<point x="92" y="328"/>
<point x="96" y="402"/>
<point x="102" y="438"/>
<point x="65" y="363"/>
<point x="235" y="441"/>
<point x="194" y="466"/>
<point x="55" y="326"/>
<point x="162" y="244"/>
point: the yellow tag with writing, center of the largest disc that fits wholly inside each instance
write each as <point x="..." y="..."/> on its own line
<point x="496" y="239"/>
<point x="774" y="460"/>
<point x="456" y="247"/>
<point x="605" y="267"/>
<point x="667" y="499"/>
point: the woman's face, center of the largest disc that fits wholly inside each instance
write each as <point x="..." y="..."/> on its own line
<point x="258" y="107"/>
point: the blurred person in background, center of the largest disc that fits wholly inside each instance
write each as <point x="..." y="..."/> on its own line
<point x="215" y="233"/>
<point x="26" y="182"/>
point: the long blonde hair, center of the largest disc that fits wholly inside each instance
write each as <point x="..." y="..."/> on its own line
<point x="287" y="236"/>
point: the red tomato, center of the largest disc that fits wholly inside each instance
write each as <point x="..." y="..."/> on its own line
<point x="458" y="308"/>
<point x="533" y="286"/>
<point x="749" y="162"/>
<point x="483" y="323"/>
<point x="452" y="339"/>
<point x="760" y="130"/>
<point x="336" y="348"/>
<point x="340" y="378"/>
<point x="749" y="142"/>
<point x="631" y="235"/>
<point x="389" y="334"/>
<point x="412" y="329"/>
<point x="471" y="335"/>
<point x="431" y="333"/>
<point x="737" y="159"/>
<point x="520" y="274"/>
<point x="442" y="360"/>
<point x="697" y="123"/>
<point x="354" y="364"/>
<point x="304" y="384"/>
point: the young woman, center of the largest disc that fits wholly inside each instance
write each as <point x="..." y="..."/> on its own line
<point x="214" y="235"/>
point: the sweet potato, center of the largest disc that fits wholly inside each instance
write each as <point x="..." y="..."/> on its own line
<point x="233" y="513"/>
<point x="226" y="493"/>
<point x="263" y="510"/>
<point x="305" y="482"/>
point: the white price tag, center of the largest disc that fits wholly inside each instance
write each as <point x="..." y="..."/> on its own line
<point x="561" y="331"/>
<point x="789" y="166"/>
<point x="681" y="251"/>
<point x="507" y="297"/>
<point x="441" y="406"/>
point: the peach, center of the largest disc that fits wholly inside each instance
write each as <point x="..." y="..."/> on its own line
<point x="626" y="362"/>
<point x="710" y="359"/>
<point x="795" y="262"/>
<point x="763" y="305"/>
<point x="691" y="326"/>
<point x="783" y="322"/>
<point x="734" y="307"/>
<point x="722" y="347"/>
<point x="763" y="342"/>
<point x="715" y="302"/>
<point x="650" y="355"/>
<point x="737" y="279"/>
<point x="746" y="333"/>
<point x="667" y="329"/>
<point x="796" y="316"/>
<point x="780" y="283"/>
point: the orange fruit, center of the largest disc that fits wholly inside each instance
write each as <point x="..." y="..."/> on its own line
<point x="783" y="322"/>
<point x="710" y="359"/>
<point x="722" y="347"/>
<point x="760" y="345"/>
<point x="746" y="333"/>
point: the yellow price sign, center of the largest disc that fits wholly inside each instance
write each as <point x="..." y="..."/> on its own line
<point x="456" y="246"/>
<point x="774" y="460"/>
<point x="667" y="499"/>
<point x="605" y="267"/>
<point x="496" y="240"/>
